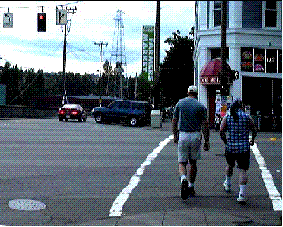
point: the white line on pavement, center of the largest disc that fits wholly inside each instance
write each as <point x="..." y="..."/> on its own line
<point x="274" y="195"/>
<point x="116" y="209"/>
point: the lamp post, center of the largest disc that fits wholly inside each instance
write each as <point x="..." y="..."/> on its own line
<point x="156" y="94"/>
<point x="223" y="73"/>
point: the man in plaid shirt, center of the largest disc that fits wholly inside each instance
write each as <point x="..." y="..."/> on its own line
<point x="238" y="124"/>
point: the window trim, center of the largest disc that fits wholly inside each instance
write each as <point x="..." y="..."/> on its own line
<point x="277" y="27"/>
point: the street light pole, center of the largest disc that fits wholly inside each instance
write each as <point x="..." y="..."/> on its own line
<point x="156" y="93"/>
<point x="223" y="73"/>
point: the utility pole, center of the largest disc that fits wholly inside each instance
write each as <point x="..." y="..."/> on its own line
<point x="136" y="86"/>
<point x="100" y="44"/>
<point x="69" y="10"/>
<point x="156" y="93"/>
<point x="223" y="74"/>
<point x="64" y="64"/>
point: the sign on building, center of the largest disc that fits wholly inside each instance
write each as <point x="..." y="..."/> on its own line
<point x="8" y="20"/>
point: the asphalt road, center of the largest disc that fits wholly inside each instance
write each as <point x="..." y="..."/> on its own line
<point x="78" y="169"/>
<point x="75" y="162"/>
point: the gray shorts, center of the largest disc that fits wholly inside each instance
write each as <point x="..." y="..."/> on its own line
<point x="189" y="146"/>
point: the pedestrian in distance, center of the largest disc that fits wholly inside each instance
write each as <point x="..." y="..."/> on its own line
<point x="238" y="125"/>
<point x="189" y="120"/>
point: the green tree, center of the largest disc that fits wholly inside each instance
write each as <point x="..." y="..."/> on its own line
<point x="177" y="69"/>
<point x="11" y="78"/>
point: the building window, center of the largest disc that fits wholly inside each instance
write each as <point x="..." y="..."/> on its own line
<point x="216" y="53"/>
<point x="252" y="14"/>
<point x="270" y="14"/>
<point x="207" y="13"/>
<point x="217" y="13"/>
<point x="261" y="60"/>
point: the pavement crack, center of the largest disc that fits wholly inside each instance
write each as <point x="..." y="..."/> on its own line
<point x="205" y="217"/>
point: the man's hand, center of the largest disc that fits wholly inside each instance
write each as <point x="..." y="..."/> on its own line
<point x="206" y="146"/>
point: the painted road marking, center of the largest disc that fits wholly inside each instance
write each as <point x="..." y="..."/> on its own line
<point x="274" y="195"/>
<point x="117" y="206"/>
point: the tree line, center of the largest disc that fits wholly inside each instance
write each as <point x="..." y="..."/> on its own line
<point x="176" y="75"/>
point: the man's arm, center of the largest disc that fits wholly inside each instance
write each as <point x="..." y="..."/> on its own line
<point x="222" y="130"/>
<point x="175" y="129"/>
<point x="254" y="131"/>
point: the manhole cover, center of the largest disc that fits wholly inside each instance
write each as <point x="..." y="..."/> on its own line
<point x="26" y="204"/>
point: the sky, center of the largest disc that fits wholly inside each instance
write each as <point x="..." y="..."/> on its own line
<point x="92" y="22"/>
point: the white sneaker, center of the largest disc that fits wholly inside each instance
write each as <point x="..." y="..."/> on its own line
<point x="242" y="199"/>
<point x="227" y="187"/>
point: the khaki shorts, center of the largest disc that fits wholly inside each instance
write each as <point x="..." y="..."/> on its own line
<point x="189" y="146"/>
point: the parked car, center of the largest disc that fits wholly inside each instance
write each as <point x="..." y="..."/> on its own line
<point x="132" y="112"/>
<point x="72" y="111"/>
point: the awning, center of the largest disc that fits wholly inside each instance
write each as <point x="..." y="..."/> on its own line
<point x="210" y="73"/>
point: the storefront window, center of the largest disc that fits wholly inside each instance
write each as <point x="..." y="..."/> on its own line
<point x="247" y="59"/>
<point x="271" y="61"/>
<point x="264" y="60"/>
<point x="259" y="61"/>
<point x="279" y="61"/>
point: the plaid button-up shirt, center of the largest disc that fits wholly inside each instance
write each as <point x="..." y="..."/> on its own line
<point x="238" y="133"/>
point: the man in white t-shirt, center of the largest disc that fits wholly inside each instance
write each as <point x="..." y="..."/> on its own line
<point x="189" y="119"/>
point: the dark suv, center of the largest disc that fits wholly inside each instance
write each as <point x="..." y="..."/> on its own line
<point x="133" y="112"/>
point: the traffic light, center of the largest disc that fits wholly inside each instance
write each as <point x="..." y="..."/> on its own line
<point x="41" y="22"/>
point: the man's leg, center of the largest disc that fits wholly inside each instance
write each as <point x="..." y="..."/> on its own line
<point x="184" y="180"/>
<point x="243" y="164"/>
<point x="192" y="170"/>
<point x="229" y="172"/>
<point x="182" y="169"/>
<point x="227" y="182"/>
<point x="243" y="177"/>
<point x="192" y="173"/>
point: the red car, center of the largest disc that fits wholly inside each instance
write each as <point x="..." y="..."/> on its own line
<point x="72" y="111"/>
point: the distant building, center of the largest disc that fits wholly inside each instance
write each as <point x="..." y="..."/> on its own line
<point x="254" y="45"/>
<point x="148" y="50"/>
